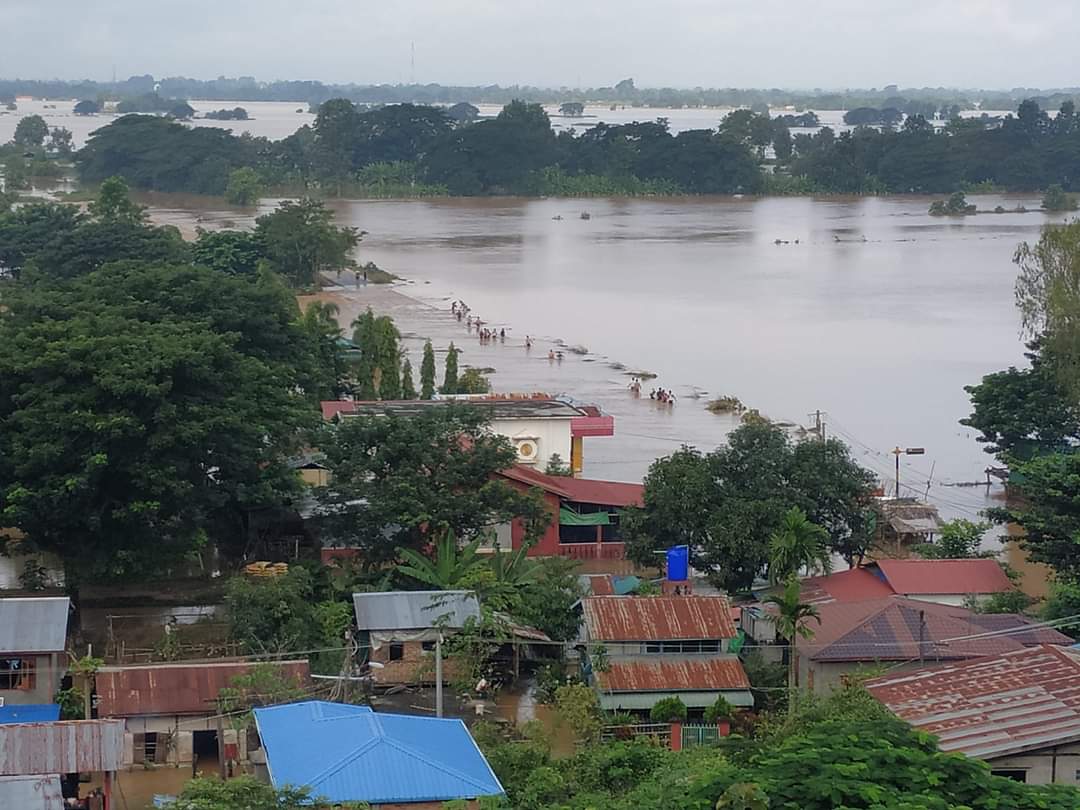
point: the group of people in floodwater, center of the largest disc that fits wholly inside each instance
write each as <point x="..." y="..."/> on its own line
<point x="461" y="311"/>
<point x="659" y="394"/>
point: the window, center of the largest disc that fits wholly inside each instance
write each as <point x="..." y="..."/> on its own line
<point x="427" y="646"/>
<point x="17" y="673"/>
<point x="1016" y="774"/>
<point x="397" y="652"/>
<point x="703" y="646"/>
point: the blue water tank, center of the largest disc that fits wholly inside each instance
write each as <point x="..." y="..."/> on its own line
<point x="678" y="564"/>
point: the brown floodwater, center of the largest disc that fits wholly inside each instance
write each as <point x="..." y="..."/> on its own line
<point x="865" y="308"/>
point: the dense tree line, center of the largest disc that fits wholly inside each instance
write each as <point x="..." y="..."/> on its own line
<point x="247" y="88"/>
<point x="413" y="150"/>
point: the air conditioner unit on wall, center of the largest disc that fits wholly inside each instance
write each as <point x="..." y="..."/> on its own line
<point x="527" y="448"/>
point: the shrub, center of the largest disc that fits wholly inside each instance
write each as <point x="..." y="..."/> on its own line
<point x="668" y="710"/>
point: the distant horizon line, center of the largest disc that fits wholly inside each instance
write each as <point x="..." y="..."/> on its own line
<point x="1049" y="90"/>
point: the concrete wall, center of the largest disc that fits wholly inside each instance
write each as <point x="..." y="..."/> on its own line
<point x="823" y="676"/>
<point x="549" y="435"/>
<point x="49" y="670"/>
<point x="1056" y="765"/>
<point x="11" y="569"/>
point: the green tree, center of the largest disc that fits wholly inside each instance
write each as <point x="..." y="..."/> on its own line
<point x="958" y="539"/>
<point x="427" y="372"/>
<point x="301" y="242"/>
<point x="727" y="505"/>
<point x="320" y="324"/>
<point x="87" y="107"/>
<point x="1048" y="297"/>
<point x="556" y="466"/>
<point x="668" y="710"/>
<point x="797" y="545"/>
<point x="1047" y="508"/>
<point x="450" y="371"/>
<point x="31" y="131"/>
<point x="264" y="684"/>
<point x="377" y="370"/>
<point x="1023" y="413"/>
<point x="417" y="478"/>
<point x="244" y="186"/>
<point x="96" y="374"/>
<point x="579" y="707"/>
<point x="243" y="793"/>
<point x="114" y="204"/>
<point x="408" y="387"/>
<point x="473" y="381"/>
<point x="233" y="252"/>
<point x="792" y="622"/>
<point x="61" y="142"/>
<point x="1055" y="199"/>
<point x="273" y="614"/>
<point x="452" y="568"/>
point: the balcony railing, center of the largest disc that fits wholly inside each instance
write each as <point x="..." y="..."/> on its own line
<point x="592" y="551"/>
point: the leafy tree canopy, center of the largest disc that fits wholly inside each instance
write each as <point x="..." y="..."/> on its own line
<point x="402" y="481"/>
<point x="727" y="505"/>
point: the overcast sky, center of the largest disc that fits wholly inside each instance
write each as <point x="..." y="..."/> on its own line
<point x="680" y="43"/>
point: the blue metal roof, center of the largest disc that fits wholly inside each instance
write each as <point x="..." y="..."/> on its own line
<point x="350" y="753"/>
<point x="30" y="713"/>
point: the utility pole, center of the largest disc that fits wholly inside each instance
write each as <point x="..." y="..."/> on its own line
<point x="819" y="424"/>
<point x="438" y="676"/>
<point x="904" y="451"/>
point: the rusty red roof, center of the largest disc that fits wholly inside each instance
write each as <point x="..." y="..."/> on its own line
<point x="657" y="618"/>
<point x="579" y="490"/>
<point x="1004" y="704"/>
<point x="853" y="585"/>
<point x="171" y="689"/>
<point x="957" y="577"/>
<point x="674" y="675"/>
<point x="898" y="629"/>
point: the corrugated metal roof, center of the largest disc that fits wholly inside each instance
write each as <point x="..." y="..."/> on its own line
<point x="657" y="618"/>
<point x="31" y="793"/>
<point x="673" y="674"/>
<point x="956" y="577"/>
<point x="36" y="624"/>
<point x="578" y="490"/>
<point x="64" y="747"/>
<point x="414" y="610"/>
<point x="897" y="629"/>
<point x="991" y="707"/>
<point x="29" y="713"/>
<point x="854" y="585"/>
<point x="349" y="753"/>
<point x="172" y="689"/>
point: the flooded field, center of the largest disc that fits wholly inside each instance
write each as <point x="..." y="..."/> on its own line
<point x="279" y="119"/>
<point x="867" y="309"/>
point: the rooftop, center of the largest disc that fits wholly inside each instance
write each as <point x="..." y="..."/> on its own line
<point x="673" y="674"/>
<point x="908" y="577"/>
<point x="1017" y="701"/>
<point x="349" y="753"/>
<point x="647" y="618"/>
<point x="898" y="629"/>
<point x="175" y="689"/>
<point x="579" y="490"/>
<point x="499" y="407"/>
<point x="29" y="713"/>
<point x="414" y="610"/>
<point x="34" y="625"/>
<point x="977" y="576"/>
<point x="908" y="516"/>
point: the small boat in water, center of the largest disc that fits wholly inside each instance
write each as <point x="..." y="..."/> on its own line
<point x="586" y="215"/>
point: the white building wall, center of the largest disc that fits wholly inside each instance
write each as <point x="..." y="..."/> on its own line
<point x="550" y="436"/>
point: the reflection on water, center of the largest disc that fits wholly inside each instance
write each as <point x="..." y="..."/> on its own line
<point x="865" y="308"/>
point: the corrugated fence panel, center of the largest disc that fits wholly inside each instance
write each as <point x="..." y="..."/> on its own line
<point x="68" y="747"/>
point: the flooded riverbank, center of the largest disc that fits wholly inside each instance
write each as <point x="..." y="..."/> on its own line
<point x="865" y="308"/>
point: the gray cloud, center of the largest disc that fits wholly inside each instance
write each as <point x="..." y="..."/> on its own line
<point x="682" y="43"/>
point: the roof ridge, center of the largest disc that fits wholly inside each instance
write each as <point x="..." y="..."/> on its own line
<point x="356" y="753"/>
<point x="405" y="749"/>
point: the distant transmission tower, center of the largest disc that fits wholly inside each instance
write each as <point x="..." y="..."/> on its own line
<point x="412" y="63"/>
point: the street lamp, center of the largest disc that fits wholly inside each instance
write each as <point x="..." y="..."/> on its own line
<point x="904" y="451"/>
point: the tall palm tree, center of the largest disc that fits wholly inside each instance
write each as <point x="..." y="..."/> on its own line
<point x="797" y="544"/>
<point x="452" y="567"/>
<point x="791" y="622"/>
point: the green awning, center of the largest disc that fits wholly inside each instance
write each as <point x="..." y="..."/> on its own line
<point x="568" y="517"/>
